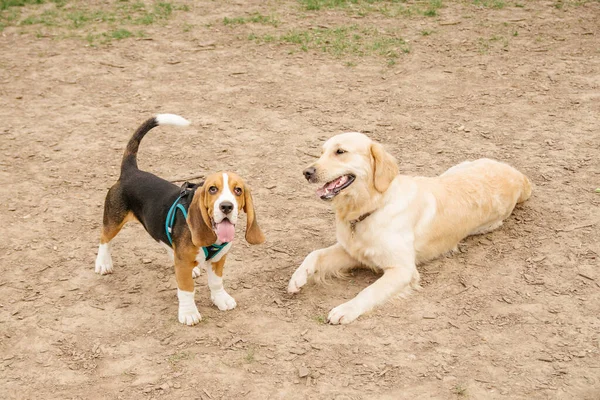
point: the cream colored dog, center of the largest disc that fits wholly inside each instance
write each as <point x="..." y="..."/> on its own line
<point x="391" y="223"/>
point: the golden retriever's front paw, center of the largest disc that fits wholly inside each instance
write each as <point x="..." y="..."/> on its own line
<point x="298" y="280"/>
<point x="344" y="313"/>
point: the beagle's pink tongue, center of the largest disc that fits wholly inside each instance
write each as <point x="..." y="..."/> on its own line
<point x="225" y="231"/>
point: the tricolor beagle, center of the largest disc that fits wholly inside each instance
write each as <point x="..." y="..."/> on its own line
<point x="195" y="222"/>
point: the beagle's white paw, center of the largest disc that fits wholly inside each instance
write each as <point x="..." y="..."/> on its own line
<point x="104" y="264"/>
<point x="223" y="301"/>
<point x="188" y="312"/>
<point x="196" y="272"/>
<point x="344" y="313"/>
<point x="189" y="318"/>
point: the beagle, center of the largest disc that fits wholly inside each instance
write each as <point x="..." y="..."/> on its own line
<point x="390" y="222"/>
<point x="196" y="223"/>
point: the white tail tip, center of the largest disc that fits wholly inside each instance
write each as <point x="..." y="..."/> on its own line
<point x="171" y="119"/>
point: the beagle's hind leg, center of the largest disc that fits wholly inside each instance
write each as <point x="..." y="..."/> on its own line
<point x="116" y="215"/>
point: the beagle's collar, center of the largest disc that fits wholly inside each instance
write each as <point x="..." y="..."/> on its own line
<point x="359" y="219"/>
<point x="187" y="188"/>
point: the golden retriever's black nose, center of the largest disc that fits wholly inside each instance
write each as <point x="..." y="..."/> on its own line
<point x="226" y="207"/>
<point x="309" y="173"/>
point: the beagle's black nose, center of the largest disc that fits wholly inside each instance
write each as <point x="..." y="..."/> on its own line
<point x="226" y="207"/>
<point x="309" y="173"/>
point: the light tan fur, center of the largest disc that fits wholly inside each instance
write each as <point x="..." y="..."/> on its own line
<point x="411" y="220"/>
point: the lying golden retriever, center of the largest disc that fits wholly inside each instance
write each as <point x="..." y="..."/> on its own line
<point x="391" y="223"/>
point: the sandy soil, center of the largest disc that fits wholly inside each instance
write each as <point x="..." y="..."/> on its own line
<point x="515" y="315"/>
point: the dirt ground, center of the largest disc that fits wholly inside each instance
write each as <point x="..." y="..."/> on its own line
<point x="515" y="315"/>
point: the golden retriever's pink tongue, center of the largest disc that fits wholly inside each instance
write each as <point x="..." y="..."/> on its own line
<point x="322" y="191"/>
<point x="225" y="231"/>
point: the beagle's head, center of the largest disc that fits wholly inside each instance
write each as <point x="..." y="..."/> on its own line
<point x="214" y="210"/>
<point x="351" y="164"/>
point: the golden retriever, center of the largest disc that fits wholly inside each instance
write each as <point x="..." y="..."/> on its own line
<point x="391" y="222"/>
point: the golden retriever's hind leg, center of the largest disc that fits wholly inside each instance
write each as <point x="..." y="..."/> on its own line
<point x="487" y="228"/>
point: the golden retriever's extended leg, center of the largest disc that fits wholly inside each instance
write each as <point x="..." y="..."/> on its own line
<point x="328" y="261"/>
<point x="395" y="280"/>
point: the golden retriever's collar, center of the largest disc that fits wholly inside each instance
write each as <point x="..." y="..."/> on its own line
<point x="359" y="219"/>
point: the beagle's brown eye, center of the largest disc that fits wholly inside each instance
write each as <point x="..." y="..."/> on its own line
<point x="237" y="191"/>
<point x="340" y="151"/>
<point x="213" y="190"/>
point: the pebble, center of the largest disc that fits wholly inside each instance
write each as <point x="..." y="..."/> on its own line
<point x="12" y="208"/>
<point x="146" y="260"/>
<point x="303" y="372"/>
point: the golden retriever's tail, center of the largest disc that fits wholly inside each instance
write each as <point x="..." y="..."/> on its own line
<point x="526" y="191"/>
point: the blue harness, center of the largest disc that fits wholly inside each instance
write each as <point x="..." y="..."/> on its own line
<point x="209" y="251"/>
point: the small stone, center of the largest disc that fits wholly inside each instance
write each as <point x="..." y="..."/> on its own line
<point x="297" y="351"/>
<point x="147" y="390"/>
<point x="303" y="372"/>
<point x="429" y="316"/>
<point x="146" y="260"/>
<point x="177" y="385"/>
<point x="12" y="208"/>
<point x="461" y="128"/>
<point x="165" y="386"/>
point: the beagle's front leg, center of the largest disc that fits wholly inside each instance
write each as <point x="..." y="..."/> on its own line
<point x="329" y="261"/>
<point x="399" y="275"/>
<point x="185" y="261"/>
<point x="218" y="295"/>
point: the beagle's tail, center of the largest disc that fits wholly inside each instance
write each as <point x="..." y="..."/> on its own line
<point x="130" y="156"/>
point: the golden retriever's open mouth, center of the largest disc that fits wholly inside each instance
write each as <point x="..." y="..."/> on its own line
<point x="334" y="187"/>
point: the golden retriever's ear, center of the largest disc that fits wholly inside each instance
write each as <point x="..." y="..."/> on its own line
<point x="253" y="233"/>
<point x="199" y="221"/>
<point x="385" y="169"/>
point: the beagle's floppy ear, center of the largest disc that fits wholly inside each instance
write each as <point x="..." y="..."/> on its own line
<point x="253" y="233"/>
<point x="199" y="221"/>
<point x="385" y="168"/>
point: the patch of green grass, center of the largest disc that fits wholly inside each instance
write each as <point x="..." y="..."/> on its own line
<point x="497" y="4"/>
<point x="98" y="23"/>
<point x="389" y="8"/>
<point x="342" y="41"/>
<point x="459" y="390"/>
<point x="321" y="319"/>
<point x="426" y="32"/>
<point x="249" y="356"/>
<point x="120" y="34"/>
<point x="254" y="18"/>
<point x="177" y="357"/>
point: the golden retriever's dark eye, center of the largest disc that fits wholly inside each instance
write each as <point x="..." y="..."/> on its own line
<point x="237" y="191"/>
<point x="213" y="190"/>
<point x="340" y="151"/>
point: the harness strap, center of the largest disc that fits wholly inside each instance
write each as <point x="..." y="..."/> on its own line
<point x="209" y="251"/>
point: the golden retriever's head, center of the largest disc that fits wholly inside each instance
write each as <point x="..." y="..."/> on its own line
<point x="352" y="166"/>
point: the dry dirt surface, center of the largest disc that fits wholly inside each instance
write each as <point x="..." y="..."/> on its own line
<point x="515" y="315"/>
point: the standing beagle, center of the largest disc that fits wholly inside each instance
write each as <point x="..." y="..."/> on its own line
<point x="195" y="222"/>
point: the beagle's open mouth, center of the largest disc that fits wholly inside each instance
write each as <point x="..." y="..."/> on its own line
<point x="334" y="187"/>
<point x="225" y="230"/>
